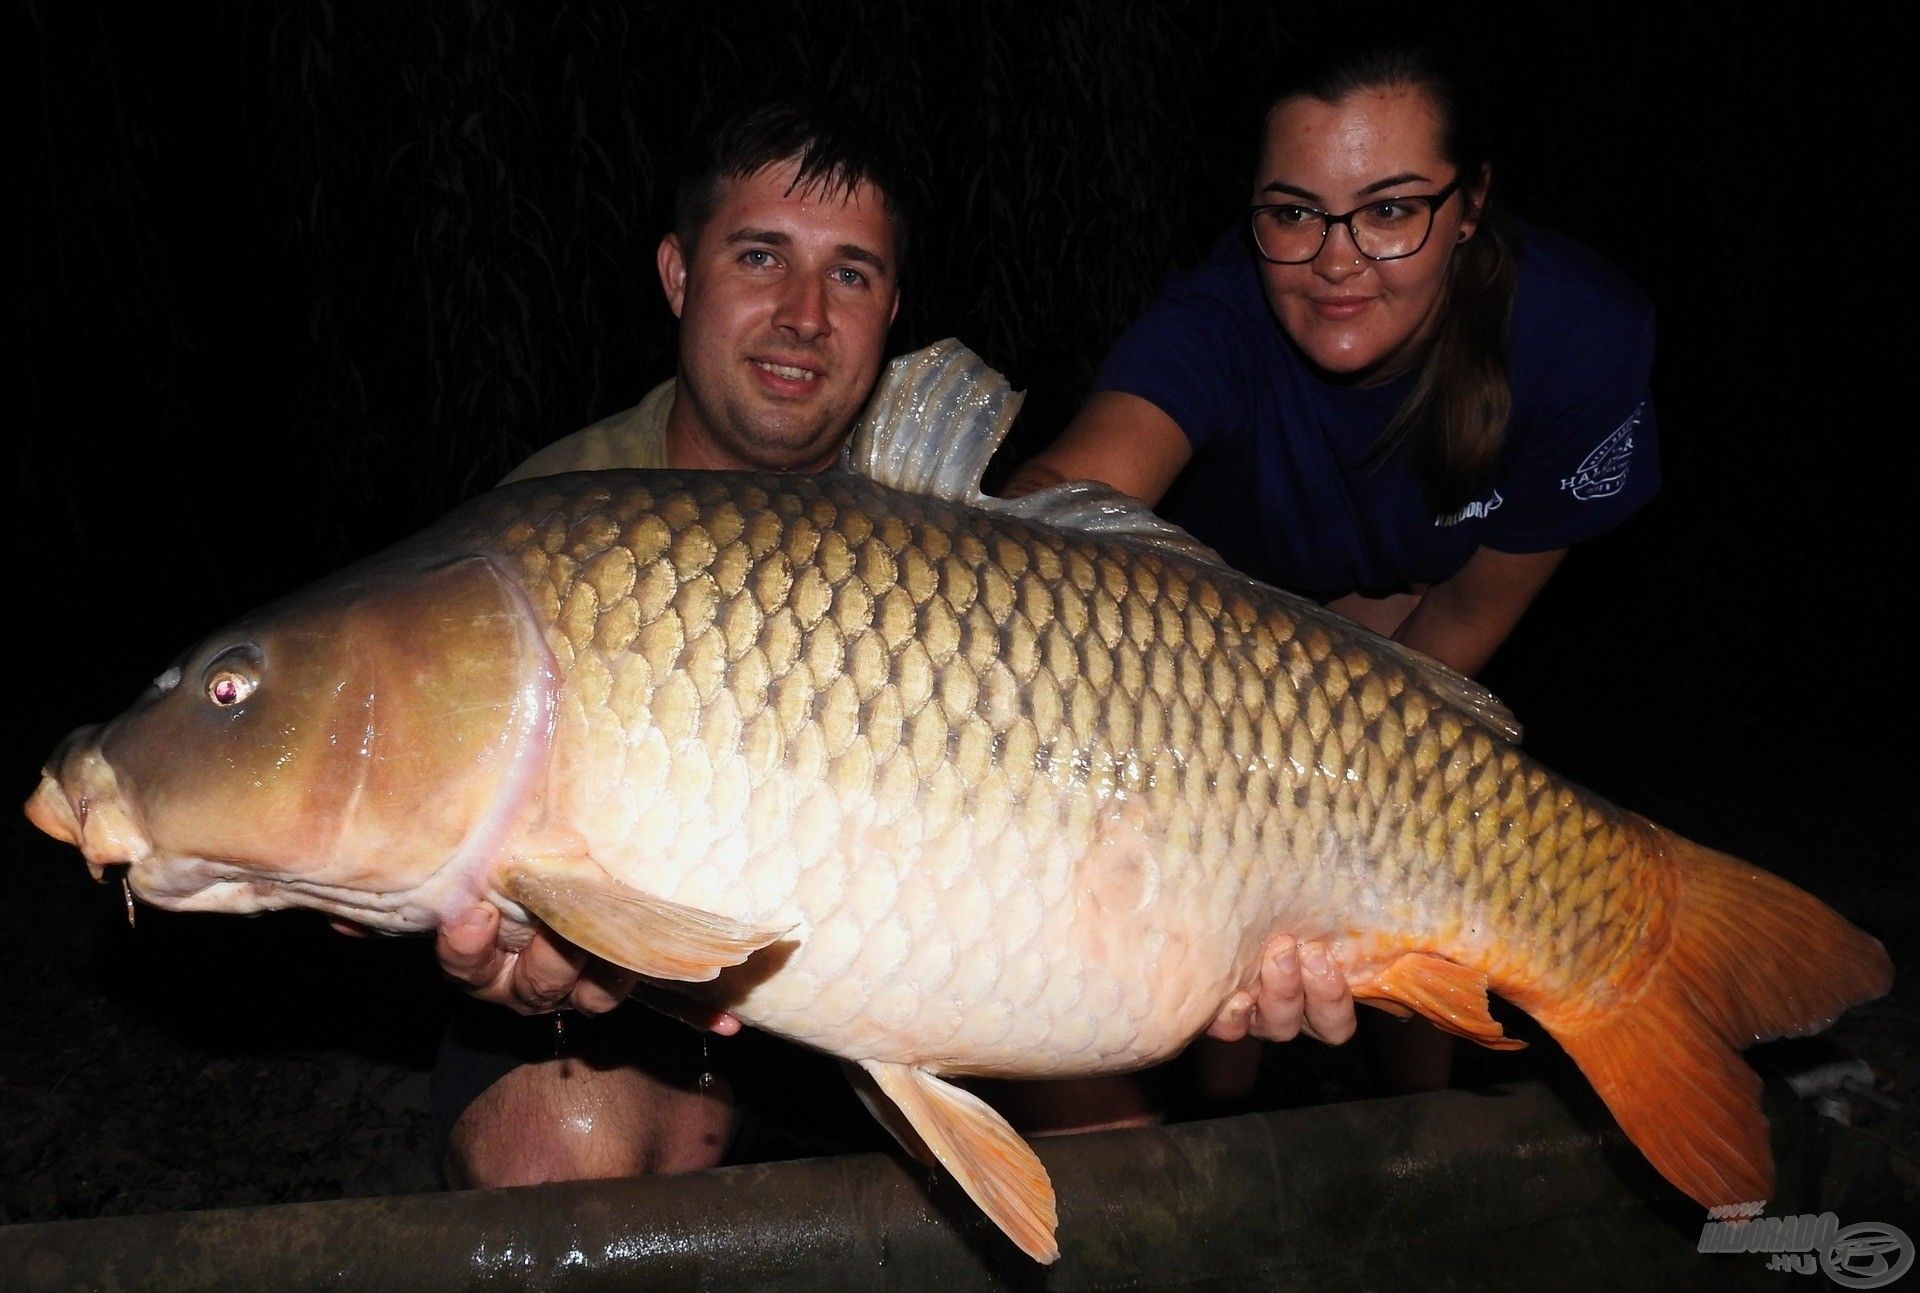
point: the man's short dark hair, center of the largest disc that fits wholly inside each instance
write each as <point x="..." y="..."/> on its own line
<point x="835" y="151"/>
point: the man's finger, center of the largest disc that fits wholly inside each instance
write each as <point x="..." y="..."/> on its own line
<point x="1279" y="1004"/>
<point x="1234" y="1020"/>
<point x="546" y="971"/>
<point x="466" y="949"/>
<point x="1329" y="1000"/>
<point x="602" y="986"/>
<point x="691" y="1013"/>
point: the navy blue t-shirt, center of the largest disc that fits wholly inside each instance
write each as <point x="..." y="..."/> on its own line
<point x="1280" y="484"/>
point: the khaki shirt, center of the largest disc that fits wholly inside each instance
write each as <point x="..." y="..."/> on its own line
<point x="634" y="438"/>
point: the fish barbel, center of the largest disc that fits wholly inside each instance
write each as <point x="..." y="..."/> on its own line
<point x="943" y="785"/>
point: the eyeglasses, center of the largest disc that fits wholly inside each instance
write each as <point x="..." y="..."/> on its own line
<point x="1286" y="233"/>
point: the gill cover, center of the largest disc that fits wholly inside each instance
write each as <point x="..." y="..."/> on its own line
<point x="360" y="735"/>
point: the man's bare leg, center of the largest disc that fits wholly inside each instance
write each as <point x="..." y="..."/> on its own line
<point x="567" y="1119"/>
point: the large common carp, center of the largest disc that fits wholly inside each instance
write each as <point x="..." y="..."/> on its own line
<point x="943" y="785"/>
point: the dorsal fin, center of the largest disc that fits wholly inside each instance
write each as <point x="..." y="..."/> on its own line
<point x="934" y="423"/>
<point x="1103" y="512"/>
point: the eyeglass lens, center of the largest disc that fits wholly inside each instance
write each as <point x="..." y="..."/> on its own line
<point x="1383" y="231"/>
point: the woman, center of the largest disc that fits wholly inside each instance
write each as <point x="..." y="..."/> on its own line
<point x="1374" y="393"/>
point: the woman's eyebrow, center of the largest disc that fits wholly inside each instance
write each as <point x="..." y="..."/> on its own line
<point x="1396" y="181"/>
<point x="1289" y="190"/>
<point x="1378" y="186"/>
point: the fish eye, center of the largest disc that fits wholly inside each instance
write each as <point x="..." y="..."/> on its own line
<point x="232" y="677"/>
<point x="228" y="687"/>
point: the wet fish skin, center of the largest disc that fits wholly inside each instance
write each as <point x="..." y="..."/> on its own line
<point x="376" y="730"/>
<point x="945" y="789"/>
<point x="992" y="765"/>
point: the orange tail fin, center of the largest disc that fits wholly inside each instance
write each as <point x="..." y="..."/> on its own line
<point x="1748" y="958"/>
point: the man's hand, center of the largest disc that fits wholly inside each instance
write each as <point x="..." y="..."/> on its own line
<point x="541" y="977"/>
<point x="1300" y="991"/>
<point x="548" y="973"/>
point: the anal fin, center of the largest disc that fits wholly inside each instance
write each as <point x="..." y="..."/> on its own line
<point x="658" y="938"/>
<point x="1451" y="996"/>
<point x="998" y="1170"/>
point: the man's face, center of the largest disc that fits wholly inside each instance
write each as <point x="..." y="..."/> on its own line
<point x="784" y="300"/>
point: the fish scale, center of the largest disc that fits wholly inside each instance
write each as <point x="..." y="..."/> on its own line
<point x="895" y="691"/>
<point x="962" y="615"/>
<point x="943" y="785"/>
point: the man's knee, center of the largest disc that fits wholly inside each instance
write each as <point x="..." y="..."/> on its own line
<point x="568" y="1120"/>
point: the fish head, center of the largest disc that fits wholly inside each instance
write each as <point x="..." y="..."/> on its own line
<point x="339" y="750"/>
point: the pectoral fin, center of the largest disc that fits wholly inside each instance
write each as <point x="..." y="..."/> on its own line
<point x="658" y="938"/>
<point x="996" y="1168"/>
<point x="1451" y="996"/>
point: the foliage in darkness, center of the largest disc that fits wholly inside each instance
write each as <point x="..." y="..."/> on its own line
<point x="294" y="278"/>
<point x="438" y="221"/>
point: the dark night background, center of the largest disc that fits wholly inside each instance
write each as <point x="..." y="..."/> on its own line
<point x="289" y="280"/>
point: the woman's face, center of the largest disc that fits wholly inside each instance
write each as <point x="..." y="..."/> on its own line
<point x="1362" y="319"/>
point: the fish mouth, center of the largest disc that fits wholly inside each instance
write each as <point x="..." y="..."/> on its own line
<point x="96" y="819"/>
<point x="49" y="810"/>
<point x="104" y="844"/>
<point x="79" y="802"/>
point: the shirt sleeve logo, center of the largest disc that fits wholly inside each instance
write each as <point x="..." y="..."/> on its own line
<point x="1603" y="473"/>
<point x="1477" y="511"/>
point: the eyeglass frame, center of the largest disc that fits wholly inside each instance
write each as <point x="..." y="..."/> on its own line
<point x="1327" y="222"/>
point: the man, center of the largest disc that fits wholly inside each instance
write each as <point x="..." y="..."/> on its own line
<point x="783" y="268"/>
